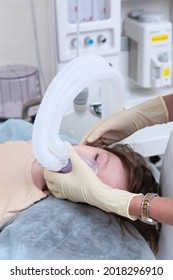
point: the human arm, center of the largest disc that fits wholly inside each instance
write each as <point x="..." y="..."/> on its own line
<point x="169" y="104"/>
<point x="161" y="208"/>
<point x="125" y="123"/>
<point x="83" y="185"/>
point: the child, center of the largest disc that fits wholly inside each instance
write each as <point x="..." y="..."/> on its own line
<point x="23" y="180"/>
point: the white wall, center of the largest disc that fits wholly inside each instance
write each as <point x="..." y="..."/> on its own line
<point x="17" y="39"/>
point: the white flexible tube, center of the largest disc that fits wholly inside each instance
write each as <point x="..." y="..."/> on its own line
<point x="81" y="72"/>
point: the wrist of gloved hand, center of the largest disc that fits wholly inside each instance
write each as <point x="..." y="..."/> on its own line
<point x="150" y="113"/>
<point x="115" y="201"/>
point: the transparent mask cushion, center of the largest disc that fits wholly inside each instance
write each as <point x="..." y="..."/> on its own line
<point x="90" y="162"/>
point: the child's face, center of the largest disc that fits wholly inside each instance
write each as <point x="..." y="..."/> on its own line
<point x="110" y="168"/>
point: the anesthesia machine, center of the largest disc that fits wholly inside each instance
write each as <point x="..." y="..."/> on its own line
<point x="87" y="27"/>
<point x="150" y="59"/>
<point x="136" y="39"/>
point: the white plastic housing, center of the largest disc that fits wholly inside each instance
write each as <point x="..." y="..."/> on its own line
<point x="150" y="57"/>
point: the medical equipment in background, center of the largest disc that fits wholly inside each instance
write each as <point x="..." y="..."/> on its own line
<point x="18" y="84"/>
<point x="86" y="27"/>
<point x="150" y="57"/>
<point x="91" y="26"/>
<point x="78" y="74"/>
<point x="68" y="25"/>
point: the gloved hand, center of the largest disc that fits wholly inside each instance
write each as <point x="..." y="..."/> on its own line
<point x="83" y="185"/>
<point x="125" y="123"/>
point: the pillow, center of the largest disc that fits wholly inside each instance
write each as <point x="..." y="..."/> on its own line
<point x="14" y="130"/>
<point x="62" y="230"/>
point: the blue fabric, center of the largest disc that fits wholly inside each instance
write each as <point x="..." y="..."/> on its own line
<point x="60" y="229"/>
<point x="14" y="130"/>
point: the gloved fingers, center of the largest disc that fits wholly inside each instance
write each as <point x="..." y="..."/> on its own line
<point x="109" y="124"/>
<point x="81" y="173"/>
<point x="109" y="138"/>
<point x="84" y="140"/>
<point x="106" y="140"/>
<point x="112" y="129"/>
<point x="53" y="182"/>
<point x="96" y="132"/>
<point x="61" y="185"/>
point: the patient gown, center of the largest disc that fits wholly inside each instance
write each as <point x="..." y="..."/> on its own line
<point x="17" y="190"/>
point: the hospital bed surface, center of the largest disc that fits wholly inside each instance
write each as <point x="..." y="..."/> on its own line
<point x="60" y="229"/>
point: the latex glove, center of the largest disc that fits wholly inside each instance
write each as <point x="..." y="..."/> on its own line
<point x="83" y="185"/>
<point x="125" y="123"/>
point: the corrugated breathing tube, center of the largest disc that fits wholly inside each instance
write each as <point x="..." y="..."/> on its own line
<point x="81" y="72"/>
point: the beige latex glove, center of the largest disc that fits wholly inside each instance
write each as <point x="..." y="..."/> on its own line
<point x="83" y="185"/>
<point x="123" y="124"/>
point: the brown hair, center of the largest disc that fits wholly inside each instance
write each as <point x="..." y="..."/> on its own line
<point x="140" y="180"/>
